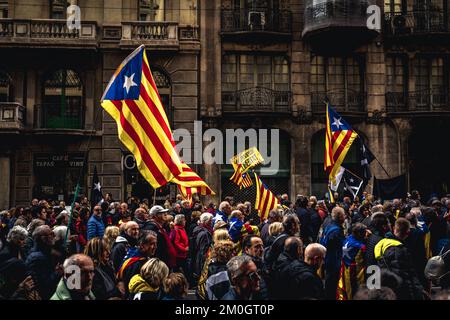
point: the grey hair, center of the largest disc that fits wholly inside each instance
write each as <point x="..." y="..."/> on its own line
<point x="34" y="224"/>
<point x="336" y="211"/>
<point x="17" y="233"/>
<point x="377" y="208"/>
<point x="205" y="217"/>
<point x="235" y="266"/>
<point x="39" y="231"/>
<point x="179" y="219"/>
<point x="74" y="260"/>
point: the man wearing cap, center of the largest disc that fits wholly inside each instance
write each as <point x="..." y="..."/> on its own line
<point x="165" y="249"/>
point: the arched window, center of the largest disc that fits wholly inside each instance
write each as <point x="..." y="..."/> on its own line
<point x="162" y="82"/>
<point x="62" y="100"/>
<point x="5" y="87"/>
<point x="319" y="178"/>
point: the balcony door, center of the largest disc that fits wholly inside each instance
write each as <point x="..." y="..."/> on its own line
<point x="62" y="105"/>
<point x="151" y="10"/>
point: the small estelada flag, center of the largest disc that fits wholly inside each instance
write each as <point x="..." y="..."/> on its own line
<point x="242" y="180"/>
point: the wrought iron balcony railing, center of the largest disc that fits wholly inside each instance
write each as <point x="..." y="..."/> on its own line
<point x="349" y="100"/>
<point x="56" y="116"/>
<point x="12" y="116"/>
<point x="256" y="20"/>
<point x="416" y="22"/>
<point x="339" y="13"/>
<point x="257" y="99"/>
<point x="419" y="101"/>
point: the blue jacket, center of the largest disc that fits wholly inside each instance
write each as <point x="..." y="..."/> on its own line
<point x="95" y="227"/>
<point x="333" y="239"/>
<point x="235" y="228"/>
<point x="220" y="216"/>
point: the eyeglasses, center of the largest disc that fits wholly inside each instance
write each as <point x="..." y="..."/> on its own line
<point x="253" y="276"/>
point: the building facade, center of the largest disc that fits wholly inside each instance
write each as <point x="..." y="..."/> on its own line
<point x="231" y="64"/>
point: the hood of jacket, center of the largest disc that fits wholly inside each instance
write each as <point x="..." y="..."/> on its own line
<point x="138" y="284"/>
<point x="383" y="245"/>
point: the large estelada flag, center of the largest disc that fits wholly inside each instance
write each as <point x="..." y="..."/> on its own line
<point x="133" y="101"/>
<point x="339" y="136"/>
<point x="190" y="183"/>
<point x="265" y="199"/>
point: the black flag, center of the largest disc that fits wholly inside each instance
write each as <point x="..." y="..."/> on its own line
<point x="96" y="190"/>
<point x="366" y="158"/>
<point x="352" y="184"/>
<point x="388" y="189"/>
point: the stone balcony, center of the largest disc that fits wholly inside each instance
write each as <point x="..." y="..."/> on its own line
<point x="12" y="117"/>
<point x="46" y="33"/>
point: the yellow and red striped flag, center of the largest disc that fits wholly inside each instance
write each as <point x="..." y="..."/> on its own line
<point x="239" y="178"/>
<point x="133" y="101"/>
<point x="265" y="199"/>
<point x="190" y="183"/>
<point x="339" y="136"/>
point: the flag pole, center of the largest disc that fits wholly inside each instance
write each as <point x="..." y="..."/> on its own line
<point x="154" y="197"/>
<point x="382" y="167"/>
<point x="77" y="190"/>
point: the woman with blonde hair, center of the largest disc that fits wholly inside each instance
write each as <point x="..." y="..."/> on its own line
<point x="213" y="283"/>
<point x="104" y="284"/>
<point x="148" y="284"/>
<point x="111" y="233"/>
<point x="221" y="234"/>
<point x="275" y="229"/>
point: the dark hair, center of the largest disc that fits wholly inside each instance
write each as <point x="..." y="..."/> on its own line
<point x="291" y="246"/>
<point x="383" y="293"/>
<point x="247" y="242"/>
<point x="301" y="202"/>
<point x="289" y="221"/>
<point x="379" y="223"/>
<point x="359" y="231"/>
<point x="403" y="225"/>
<point x="144" y="237"/>
<point x="411" y="217"/>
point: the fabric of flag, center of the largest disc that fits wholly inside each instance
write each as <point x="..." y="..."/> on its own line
<point x="352" y="184"/>
<point x="353" y="268"/>
<point x="133" y="101"/>
<point x="337" y="180"/>
<point x="388" y="189"/>
<point x="96" y="190"/>
<point x="190" y="183"/>
<point x="339" y="136"/>
<point x="366" y="158"/>
<point x="330" y="195"/>
<point x="242" y="180"/>
<point x="265" y="199"/>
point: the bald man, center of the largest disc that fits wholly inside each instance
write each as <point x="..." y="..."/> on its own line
<point x="297" y="279"/>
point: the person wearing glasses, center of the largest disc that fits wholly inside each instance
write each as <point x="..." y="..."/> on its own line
<point x="95" y="226"/>
<point x="244" y="279"/>
<point x="77" y="281"/>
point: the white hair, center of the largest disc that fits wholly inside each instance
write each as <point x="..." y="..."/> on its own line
<point x="17" y="233"/>
<point x="205" y="217"/>
<point x="178" y="219"/>
<point x="235" y="266"/>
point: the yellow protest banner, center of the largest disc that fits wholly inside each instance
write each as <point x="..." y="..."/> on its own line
<point x="247" y="158"/>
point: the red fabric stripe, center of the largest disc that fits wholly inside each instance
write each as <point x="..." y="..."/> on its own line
<point x="342" y="145"/>
<point x="159" y="147"/>
<point x="266" y="202"/>
<point x="143" y="151"/>
<point x="335" y="136"/>
<point x="145" y="96"/>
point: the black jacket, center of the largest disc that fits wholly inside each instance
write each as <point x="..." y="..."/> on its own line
<point x="296" y="280"/>
<point x="104" y="283"/>
<point x="397" y="259"/>
<point x="200" y="242"/>
<point x="9" y="251"/>
<point x="372" y="241"/>
<point x="120" y="248"/>
<point x="416" y="246"/>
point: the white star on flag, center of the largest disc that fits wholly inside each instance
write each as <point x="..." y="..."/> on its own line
<point x="128" y="83"/>
<point x="337" y="123"/>
<point x="97" y="186"/>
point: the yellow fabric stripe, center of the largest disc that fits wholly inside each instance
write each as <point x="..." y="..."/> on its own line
<point x="153" y="122"/>
<point x="151" y="92"/>
<point x="147" y="142"/>
<point x="130" y="144"/>
<point x="257" y="192"/>
<point x="341" y="158"/>
<point x="338" y="141"/>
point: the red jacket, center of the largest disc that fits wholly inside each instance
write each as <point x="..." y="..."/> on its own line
<point x="180" y="241"/>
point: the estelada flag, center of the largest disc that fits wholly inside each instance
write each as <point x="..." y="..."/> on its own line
<point x="339" y="137"/>
<point x="133" y="101"/>
<point x="190" y="183"/>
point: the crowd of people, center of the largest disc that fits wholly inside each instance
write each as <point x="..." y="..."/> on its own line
<point x="360" y="249"/>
